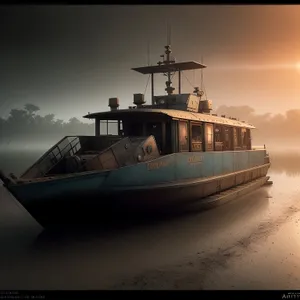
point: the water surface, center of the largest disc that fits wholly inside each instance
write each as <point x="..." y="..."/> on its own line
<point x="250" y="243"/>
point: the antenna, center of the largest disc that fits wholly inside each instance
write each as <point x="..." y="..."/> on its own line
<point x="194" y="78"/>
<point x="202" y="86"/>
<point x="148" y="53"/>
<point x="200" y="92"/>
<point x="201" y="74"/>
<point x="168" y="30"/>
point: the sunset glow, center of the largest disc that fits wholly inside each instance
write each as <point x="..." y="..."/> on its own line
<point x="251" y="53"/>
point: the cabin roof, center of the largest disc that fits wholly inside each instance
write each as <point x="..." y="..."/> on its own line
<point x="173" y="113"/>
<point x="173" y="67"/>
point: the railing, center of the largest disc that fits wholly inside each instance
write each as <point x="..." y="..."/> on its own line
<point x="53" y="156"/>
<point x="58" y="153"/>
<point x="258" y="147"/>
<point x="69" y="145"/>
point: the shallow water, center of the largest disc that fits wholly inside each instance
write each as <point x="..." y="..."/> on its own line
<point x="249" y="243"/>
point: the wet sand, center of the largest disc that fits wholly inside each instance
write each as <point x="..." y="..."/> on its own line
<point x="249" y="243"/>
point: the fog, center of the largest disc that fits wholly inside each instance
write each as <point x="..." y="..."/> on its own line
<point x="26" y="129"/>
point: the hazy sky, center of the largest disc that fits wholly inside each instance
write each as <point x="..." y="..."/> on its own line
<point x="70" y="59"/>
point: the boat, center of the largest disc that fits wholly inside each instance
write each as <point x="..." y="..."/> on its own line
<point x="144" y="158"/>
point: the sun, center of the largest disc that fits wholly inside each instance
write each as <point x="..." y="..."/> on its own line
<point x="298" y="66"/>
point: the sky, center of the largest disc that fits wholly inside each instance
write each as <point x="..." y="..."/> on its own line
<point x="69" y="60"/>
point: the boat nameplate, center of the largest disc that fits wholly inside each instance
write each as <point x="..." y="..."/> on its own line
<point x="156" y="165"/>
<point x="195" y="159"/>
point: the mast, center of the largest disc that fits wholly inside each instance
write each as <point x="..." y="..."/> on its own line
<point x="168" y="67"/>
<point x="152" y="75"/>
<point x="152" y="88"/>
<point x="169" y="89"/>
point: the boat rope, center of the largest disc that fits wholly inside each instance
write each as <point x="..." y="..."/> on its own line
<point x="188" y="80"/>
<point x="202" y="85"/>
<point x="147" y="84"/>
<point x="204" y="90"/>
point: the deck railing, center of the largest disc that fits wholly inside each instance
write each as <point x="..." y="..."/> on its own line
<point x="258" y="147"/>
<point x="53" y="156"/>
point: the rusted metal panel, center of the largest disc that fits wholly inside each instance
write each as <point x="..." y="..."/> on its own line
<point x="125" y="152"/>
<point x="108" y="160"/>
<point x="148" y="149"/>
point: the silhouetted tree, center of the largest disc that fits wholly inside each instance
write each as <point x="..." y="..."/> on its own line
<point x="74" y="121"/>
<point x="31" y="108"/>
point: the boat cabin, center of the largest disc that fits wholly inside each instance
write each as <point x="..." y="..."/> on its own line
<point x="176" y="131"/>
<point x="179" y="122"/>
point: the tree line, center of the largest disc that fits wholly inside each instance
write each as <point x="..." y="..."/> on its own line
<point x="26" y="123"/>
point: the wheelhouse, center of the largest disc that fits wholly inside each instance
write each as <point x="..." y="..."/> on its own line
<point x="174" y="130"/>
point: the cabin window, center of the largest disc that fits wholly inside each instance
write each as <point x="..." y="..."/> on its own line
<point x="209" y="137"/>
<point x="248" y="139"/>
<point x="196" y="137"/>
<point x="244" y="138"/>
<point x="109" y="127"/>
<point x="228" y="136"/>
<point x="183" y="136"/>
<point x="237" y="138"/>
<point x="218" y="137"/>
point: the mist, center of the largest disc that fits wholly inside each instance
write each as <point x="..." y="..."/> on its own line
<point x="25" y="129"/>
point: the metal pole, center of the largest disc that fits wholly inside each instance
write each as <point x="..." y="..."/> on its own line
<point x="163" y="137"/>
<point x="97" y="127"/>
<point x="152" y="88"/>
<point x="179" y="82"/>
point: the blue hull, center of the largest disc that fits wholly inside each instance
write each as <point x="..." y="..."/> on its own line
<point x="162" y="183"/>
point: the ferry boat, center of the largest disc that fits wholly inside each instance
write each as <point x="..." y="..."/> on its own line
<point x="171" y="152"/>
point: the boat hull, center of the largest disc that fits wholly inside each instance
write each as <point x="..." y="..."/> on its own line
<point x="145" y="188"/>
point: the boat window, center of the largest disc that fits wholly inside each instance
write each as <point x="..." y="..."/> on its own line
<point x="244" y="138"/>
<point x="237" y="138"/>
<point x="228" y="137"/>
<point x="183" y="136"/>
<point x="209" y="137"/>
<point x="219" y="137"/>
<point x="168" y="137"/>
<point x="109" y="127"/>
<point x="248" y="135"/>
<point x="196" y="137"/>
